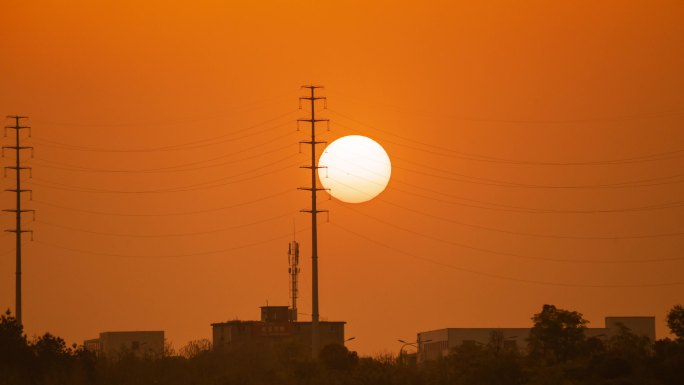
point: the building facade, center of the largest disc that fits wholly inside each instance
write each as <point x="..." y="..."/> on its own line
<point x="437" y="343"/>
<point x="142" y="344"/>
<point x="275" y="325"/>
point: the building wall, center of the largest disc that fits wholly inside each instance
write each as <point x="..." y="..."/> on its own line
<point x="144" y="344"/>
<point x="438" y="343"/>
<point x="237" y="332"/>
<point x="331" y="332"/>
<point x="641" y="326"/>
<point x="93" y="345"/>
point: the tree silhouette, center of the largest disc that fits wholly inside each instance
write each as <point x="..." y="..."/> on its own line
<point x="557" y="334"/>
<point x="15" y="354"/>
<point x="338" y="357"/>
<point x="675" y="321"/>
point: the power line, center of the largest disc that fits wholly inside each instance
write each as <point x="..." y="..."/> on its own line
<point x="480" y="227"/>
<point x="168" y="256"/>
<point x="508" y="254"/>
<point x="165" y="122"/>
<point x="494" y="182"/>
<point x="184" y="146"/>
<point x="186" y="188"/>
<point x="512" y="208"/>
<point x="212" y="210"/>
<point x="177" y="168"/>
<point x="169" y="235"/>
<point x="617" y="118"/>
<point x="675" y="154"/>
<point x="531" y="210"/>
<point x="502" y="277"/>
<point x="536" y="235"/>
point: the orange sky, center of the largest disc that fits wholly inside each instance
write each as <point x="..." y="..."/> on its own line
<point x="480" y="106"/>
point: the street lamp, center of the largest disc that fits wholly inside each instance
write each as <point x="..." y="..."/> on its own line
<point x="415" y="344"/>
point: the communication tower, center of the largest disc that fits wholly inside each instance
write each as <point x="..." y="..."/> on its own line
<point x="293" y="270"/>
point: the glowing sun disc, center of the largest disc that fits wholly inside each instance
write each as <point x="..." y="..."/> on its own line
<point x="355" y="169"/>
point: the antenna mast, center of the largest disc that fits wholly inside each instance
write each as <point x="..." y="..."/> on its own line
<point x="315" y="328"/>
<point x="18" y="190"/>
<point x="293" y="260"/>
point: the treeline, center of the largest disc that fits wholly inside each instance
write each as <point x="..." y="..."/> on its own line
<point x="558" y="352"/>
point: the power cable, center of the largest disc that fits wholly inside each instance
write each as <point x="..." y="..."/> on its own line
<point x="212" y="210"/>
<point x="184" y="146"/>
<point x="176" y="168"/>
<point x="203" y="117"/>
<point x="131" y="235"/>
<point x="512" y="208"/>
<point x="502" y="277"/>
<point x="140" y="256"/>
<point x="193" y="187"/>
<point x="653" y="115"/>
<point x="508" y="254"/>
<point x="536" y="235"/>
<point x="675" y="154"/>
<point x="494" y="182"/>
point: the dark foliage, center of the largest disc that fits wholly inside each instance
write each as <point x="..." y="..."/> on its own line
<point x="559" y="354"/>
<point x="557" y="334"/>
<point x="675" y="321"/>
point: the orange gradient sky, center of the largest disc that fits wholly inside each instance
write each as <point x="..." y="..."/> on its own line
<point x="537" y="151"/>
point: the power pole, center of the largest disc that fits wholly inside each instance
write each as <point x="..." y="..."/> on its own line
<point x="18" y="190"/>
<point x="315" y="327"/>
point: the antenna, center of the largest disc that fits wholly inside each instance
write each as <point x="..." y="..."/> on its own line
<point x="293" y="270"/>
<point x="315" y="329"/>
<point x="18" y="190"/>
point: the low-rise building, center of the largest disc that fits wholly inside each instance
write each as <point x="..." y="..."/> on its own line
<point x="142" y="344"/>
<point x="437" y="343"/>
<point x="275" y="325"/>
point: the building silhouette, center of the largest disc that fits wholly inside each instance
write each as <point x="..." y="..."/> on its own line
<point x="437" y="343"/>
<point x="276" y="325"/>
<point x="141" y="344"/>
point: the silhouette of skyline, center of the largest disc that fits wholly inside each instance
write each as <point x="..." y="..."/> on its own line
<point x="536" y="149"/>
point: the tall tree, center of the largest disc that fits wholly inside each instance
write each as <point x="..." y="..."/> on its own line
<point x="675" y="321"/>
<point x="557" y="334"/>
<point x="16" y="358"/>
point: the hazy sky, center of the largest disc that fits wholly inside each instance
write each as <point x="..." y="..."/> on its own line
<point x="537" y="146"/>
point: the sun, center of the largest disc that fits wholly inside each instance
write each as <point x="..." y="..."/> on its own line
<point x="355" y="168"/>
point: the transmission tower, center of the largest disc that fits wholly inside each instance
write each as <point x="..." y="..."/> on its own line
<point x="315" y="328"/>
<point x="18" y="190"/>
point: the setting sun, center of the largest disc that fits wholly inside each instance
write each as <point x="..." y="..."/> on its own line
<point x="355" y="169"/>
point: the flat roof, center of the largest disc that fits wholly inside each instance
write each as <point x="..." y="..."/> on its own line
<point x="266" y="322"/>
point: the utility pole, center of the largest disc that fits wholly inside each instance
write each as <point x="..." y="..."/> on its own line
<point x="315" y="327"/>
<point x="18" y="190"/>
